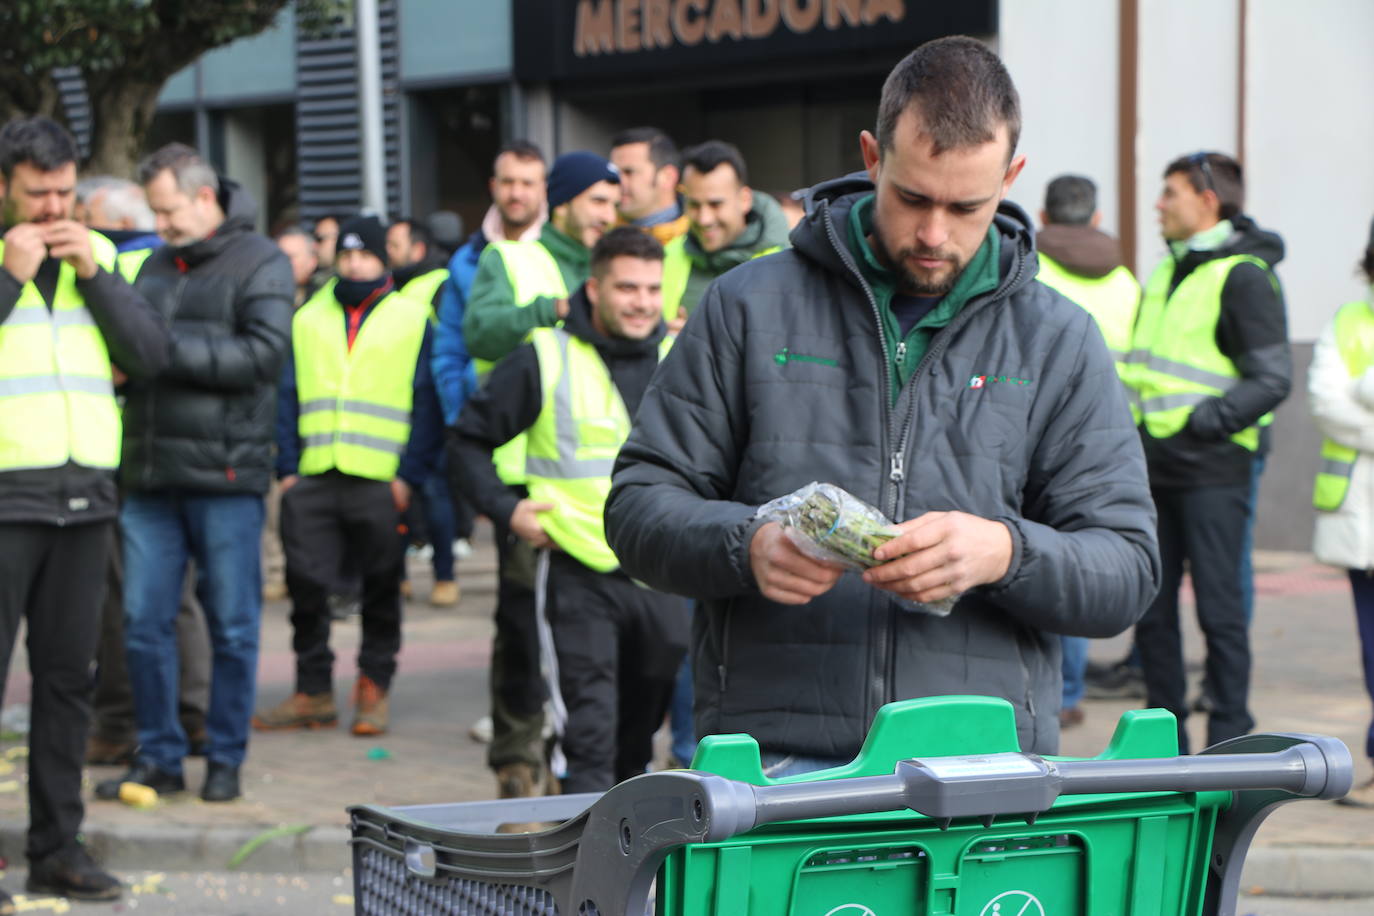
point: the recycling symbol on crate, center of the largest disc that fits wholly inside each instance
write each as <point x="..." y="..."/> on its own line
<point x="851" y="909"/>
<point x="1014" y="903"/>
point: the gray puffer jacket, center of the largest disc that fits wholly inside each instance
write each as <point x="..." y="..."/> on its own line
<point x="1014" y="414"/>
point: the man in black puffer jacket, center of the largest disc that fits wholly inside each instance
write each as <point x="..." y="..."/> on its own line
<point x="198" y="459"/>
<point x="904" y="351"/>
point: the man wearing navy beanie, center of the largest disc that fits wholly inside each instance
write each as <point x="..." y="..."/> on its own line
<point x="520" y="286"/>
<point x="583" y="190"/>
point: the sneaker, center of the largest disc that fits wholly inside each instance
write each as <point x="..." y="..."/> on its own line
<point x="300" y="710"/>
<point x="72" y="873"/>
<point x="274" y="591"/>
<point x="482" y="730"/>
<point x="1362" y="796"/>
<point x="462" y="548"/>
<point x="221" y="782"/>
<point x="405" y="588"/>
<point x="1120" y="682"/>
<point x="444" y="594"/>
<point x="143" y="773"/>
<point x="369" y="707"/>
<point x="103" y="753"/>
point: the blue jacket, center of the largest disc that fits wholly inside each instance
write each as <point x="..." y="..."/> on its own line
<point x="454" y="375"/>
<point x="421" y="455"/>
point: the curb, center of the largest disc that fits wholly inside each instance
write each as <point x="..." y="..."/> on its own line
<point x="1277" y="870"/>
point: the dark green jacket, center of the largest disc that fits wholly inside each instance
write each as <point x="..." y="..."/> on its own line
<point x="492" y="324"/>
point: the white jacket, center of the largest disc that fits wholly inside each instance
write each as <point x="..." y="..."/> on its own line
<point x="1343" y="408"/>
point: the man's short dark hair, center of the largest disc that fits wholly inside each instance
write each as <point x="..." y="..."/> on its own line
<point x="958" y="88"/>
<point x="1070" y="200"/>
<point x="1215" y="172"/>
<point x="520" y="149"/>
<point x="711" y="155"/>
<point x="624" y="242"/>
<point x="39" y="141"/>
<point x="187" y="166"/>
<point x="419" y="232"/>
<point x="662" y="150"/>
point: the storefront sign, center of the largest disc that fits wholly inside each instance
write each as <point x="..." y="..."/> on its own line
<point x="572" y="39"/>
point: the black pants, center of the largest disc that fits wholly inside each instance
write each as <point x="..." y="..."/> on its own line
<point x="619" y="647"/>
<point x="1204" y="526"/>
<point x="54" y="579"/>
<point x="114" y="699"/>
<point x="330" y="522"/>
<point x="517" y="688"/>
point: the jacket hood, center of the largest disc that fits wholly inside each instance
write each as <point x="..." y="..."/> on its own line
<point x="404" y="275"/>
<point x="579" y="324"/>
<point x="1249" y="238"/>
<point x="240" y="216"/>
<point x="820" y="235"/>
<point x="1082" y="250"/>
<point x="765" y="226"/>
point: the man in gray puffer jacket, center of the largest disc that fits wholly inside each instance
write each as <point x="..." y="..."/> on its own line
<point x="904" y="351"/>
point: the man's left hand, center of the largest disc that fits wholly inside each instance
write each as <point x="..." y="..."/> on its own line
<point x="941" y="554"/>
<point x="69" y="240"/>
<point x="400" y="494"/>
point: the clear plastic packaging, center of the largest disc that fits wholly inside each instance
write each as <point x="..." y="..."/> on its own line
<point x="828" y="523"/>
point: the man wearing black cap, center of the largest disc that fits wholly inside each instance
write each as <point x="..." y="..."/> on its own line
<point x="521" y="286"/>
<point x="358" y="427"/>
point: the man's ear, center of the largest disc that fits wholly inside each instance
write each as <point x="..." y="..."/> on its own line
<point x="1097" y="219"/>
<point x="206" y="195"/>
<point x="1017" y="164"/>
<point x="593" y="289"/>
<point x="872" y="153"/>
<point x="746" y="196"/>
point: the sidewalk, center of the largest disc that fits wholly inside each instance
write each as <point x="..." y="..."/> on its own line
<point x="1306" y="679"/>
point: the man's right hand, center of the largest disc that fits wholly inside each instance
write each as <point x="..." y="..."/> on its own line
<point x="287" y="482"/>
<point x="25" y="251"/>
<point x="785" y="574"/>
<point x="524" y="521"/>
<point x="561" y="308"/>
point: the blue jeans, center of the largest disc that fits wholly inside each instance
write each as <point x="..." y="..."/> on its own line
<point x="684" y="735"/>
<point x="222" y="532"/>
<point x="441" y="524"/>
<point x="1075" y="649"/>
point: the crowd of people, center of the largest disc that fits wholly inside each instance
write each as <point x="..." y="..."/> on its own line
<point x="630" y="355"/>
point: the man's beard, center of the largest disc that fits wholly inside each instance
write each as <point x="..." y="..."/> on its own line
<point x="907" y="282"/>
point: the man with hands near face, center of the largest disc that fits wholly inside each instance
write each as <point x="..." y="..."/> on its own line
<point x="902" y="350"/>
<point x="62" y="304"/>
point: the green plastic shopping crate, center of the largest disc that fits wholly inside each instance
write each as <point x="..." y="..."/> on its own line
<point x="939" y="814"/>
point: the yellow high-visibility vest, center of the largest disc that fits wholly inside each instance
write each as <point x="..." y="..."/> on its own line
<point x="1355" y="342"/>
<point x="1112" y="300"/>
<point x="1174" y="363"/>
<point x="57" y="399"/>
<point x="573" y="443"/>
<point x="355" y="404"/>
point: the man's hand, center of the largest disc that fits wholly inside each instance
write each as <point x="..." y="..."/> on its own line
<point x="675" y="326"/>
<point x="524" y="521"/>
<point x="941" y="554"/>
<point x="400" y="494"/>
<point x="287" y="482"/>
<point x="24" y="251"/>
<point x="69" y="240"/>
<point x="560" y="308"/>
<point x="783" y="572"/>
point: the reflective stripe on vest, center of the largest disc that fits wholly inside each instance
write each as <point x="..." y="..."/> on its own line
<point x="1355" y="343"/>
<point x="1174" y="363"/>
<point x="677" y="271"/>
<point x="424" y="287"/>
<point x="355" y="404"/>
<point x="1111" y="300"/>
<point x="532" y="273"/>
<point x="57" y="399"/>
<point x="574" y="442"/>
<point x="131" y="262"/>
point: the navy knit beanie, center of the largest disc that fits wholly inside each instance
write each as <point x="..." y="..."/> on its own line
<point x="573" y="173"/>
<point x="363" y="233"/>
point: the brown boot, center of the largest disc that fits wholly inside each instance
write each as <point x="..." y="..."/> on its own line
<point x="369" y="707"/>
<point x="300" y="710"/>
<point x="103" y="753"/>
<point x="518" y="780"/>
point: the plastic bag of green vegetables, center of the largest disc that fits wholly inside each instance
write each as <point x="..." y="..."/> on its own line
<point x="829" y="523"/>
